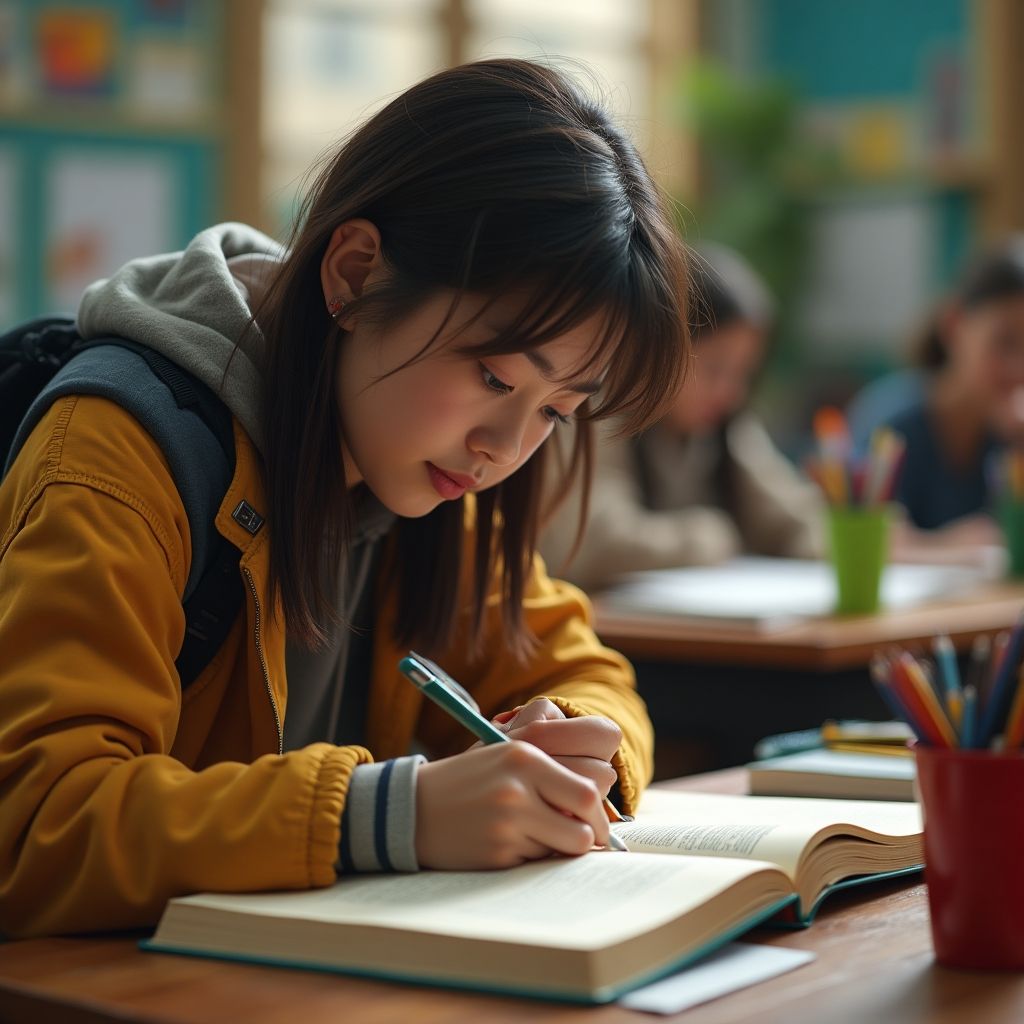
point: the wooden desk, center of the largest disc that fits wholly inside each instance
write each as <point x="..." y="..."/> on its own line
<point x="874" y="966"/>
<point x="824" y="645"/>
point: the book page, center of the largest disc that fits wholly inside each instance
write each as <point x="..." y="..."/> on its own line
<point x="775" y="829"/>
<point x="582" y="903"/>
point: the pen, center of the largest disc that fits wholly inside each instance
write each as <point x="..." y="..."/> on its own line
<point x="432" y="681"/>
<point x="945" y="657"/>
<point x="969" y="718"/>
<point x="1000" y="697"/>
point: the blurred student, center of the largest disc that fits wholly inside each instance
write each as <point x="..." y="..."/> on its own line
<point x="967" y="403"/>
<point x="705" y="483"/>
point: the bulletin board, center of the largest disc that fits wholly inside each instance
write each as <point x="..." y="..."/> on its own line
<point x="112" y="140"/>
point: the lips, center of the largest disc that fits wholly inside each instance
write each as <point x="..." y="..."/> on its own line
<point x="449" y="484"/>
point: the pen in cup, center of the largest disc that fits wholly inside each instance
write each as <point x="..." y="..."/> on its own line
<point x="436" y="684"/>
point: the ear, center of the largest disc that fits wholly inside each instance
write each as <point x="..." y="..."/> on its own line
<point x="353" y="256"/>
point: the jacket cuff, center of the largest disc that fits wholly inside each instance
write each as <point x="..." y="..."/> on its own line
<point x="378" y="823"/>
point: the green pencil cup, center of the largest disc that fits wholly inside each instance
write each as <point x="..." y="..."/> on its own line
<point x="859" y="549"/>
<point x="1011" y="519"/>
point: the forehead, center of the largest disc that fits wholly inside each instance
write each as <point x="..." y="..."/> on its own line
<point x="567" y="353"/>
<point x="1007" y="310"/>
<point x="736" y="342"/>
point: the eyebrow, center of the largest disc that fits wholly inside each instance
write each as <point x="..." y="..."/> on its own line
<point x="586" y="387"/>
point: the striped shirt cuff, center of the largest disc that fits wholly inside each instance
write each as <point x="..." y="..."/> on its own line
<point x="378" y="824"/>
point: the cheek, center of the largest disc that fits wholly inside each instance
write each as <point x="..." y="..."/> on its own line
<point x="534" y="438"/>
<point x="414" y="406"/>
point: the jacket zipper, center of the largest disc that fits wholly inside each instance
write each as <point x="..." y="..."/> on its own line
<point x="263" y="663"/>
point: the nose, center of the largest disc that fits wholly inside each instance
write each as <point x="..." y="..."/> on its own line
<point x="500" y="443"/>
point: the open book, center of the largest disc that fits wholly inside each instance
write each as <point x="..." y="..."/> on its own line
<point x="584" y="929"/>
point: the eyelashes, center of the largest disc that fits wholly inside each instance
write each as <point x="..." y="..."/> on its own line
<point x="494" y="383"/>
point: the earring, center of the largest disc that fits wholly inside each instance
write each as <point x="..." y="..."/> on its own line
<point x="335" y="305"/>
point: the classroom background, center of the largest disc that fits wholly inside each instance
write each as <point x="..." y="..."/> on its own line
<point x="857" y="154"/>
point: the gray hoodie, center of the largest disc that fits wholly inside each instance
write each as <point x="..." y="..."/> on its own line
<point x="194" y="308"/>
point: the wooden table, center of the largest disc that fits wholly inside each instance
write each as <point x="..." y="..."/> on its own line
<point x="824" y="645"/>
<point x="874" y="966"/>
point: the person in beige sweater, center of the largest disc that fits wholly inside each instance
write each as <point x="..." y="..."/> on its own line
<point x="706" y="483"/>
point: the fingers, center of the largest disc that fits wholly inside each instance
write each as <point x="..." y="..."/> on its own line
<point x="601" y="773"/>
<point x="566" y="792"/>
<point x="557" y="833"/>
<point x="586" y="736"/>
<point x="512" y="802"/>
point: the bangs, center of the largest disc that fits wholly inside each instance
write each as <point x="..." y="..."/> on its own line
<point x="641" y="352"/>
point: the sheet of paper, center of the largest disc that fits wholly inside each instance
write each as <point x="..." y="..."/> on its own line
<point x="773" y="593"/>
<point x="736" y="966"/>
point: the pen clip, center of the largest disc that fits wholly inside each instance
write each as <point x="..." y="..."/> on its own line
<point x="457" y="688"/>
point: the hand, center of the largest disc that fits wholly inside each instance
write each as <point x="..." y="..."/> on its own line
<point x="499" y="805"/>
<point x="584" y="745"/>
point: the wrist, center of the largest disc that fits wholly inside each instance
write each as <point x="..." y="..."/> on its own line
<point x="378" y="823"/>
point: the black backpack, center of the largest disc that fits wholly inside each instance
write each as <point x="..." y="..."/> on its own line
<point x="44" y="359"/>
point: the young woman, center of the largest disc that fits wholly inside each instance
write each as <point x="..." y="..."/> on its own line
<point x="967" y="402"/>
<point x="705" y="483"/>
<point x="482" y="261"/>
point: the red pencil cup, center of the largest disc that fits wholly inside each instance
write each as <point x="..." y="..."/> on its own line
<point x="973" y="805"/>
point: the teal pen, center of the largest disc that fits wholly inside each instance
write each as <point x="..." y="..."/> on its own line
<point x="945" y="656"/>
<point x="970" y="717"/>
<point x="432" y="681"/>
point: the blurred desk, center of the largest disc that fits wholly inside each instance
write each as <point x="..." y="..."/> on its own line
<point x="713" y="690"/>
<point x="874" y="964"/>
<point x="818" y="645"/>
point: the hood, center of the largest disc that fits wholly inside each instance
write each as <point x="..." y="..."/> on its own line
<point x="192" y="307"/>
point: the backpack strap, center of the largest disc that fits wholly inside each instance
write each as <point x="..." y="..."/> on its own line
<point x="194" y="431"/>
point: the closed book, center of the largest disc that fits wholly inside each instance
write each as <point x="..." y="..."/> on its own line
<point x="834" y="774"/>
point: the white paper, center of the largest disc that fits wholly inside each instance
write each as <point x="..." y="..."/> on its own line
<point x="736" y="966"/>
<point x="105" y="206"/>
<point x="774" y="592"/>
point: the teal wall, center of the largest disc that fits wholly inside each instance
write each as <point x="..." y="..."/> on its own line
<point x="841" y="51"/>
<point x="857" y="49"/>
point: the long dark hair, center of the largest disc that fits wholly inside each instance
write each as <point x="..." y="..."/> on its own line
<point x="724" y="290"/>
<point x="996" y="275"/>
<point x="491" y="176"/>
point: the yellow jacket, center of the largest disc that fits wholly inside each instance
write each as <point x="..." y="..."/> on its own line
<point x="117" y="791"/>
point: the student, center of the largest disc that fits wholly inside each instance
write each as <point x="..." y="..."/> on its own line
<point x="481" y="261"/>
<point x="969" y="402"/>
<point x="705" y="483"/>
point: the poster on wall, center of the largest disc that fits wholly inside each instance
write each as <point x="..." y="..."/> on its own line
<point x="103" y="210"/>
<point x="77" y="50"/>
<point x="8" y="233"/>
<point x="868" y="279"/>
